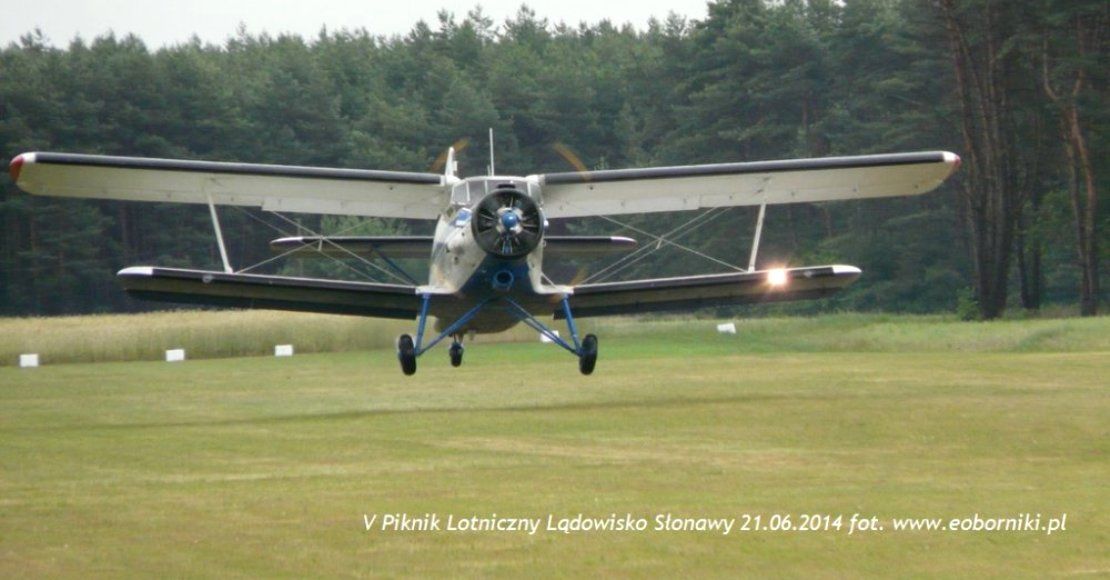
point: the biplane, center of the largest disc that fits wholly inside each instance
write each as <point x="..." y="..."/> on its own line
<point x="486" y="257"/>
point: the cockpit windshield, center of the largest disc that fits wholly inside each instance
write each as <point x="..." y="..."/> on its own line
<point x="472" y="189"/>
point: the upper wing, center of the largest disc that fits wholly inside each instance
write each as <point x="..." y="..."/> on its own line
<point x="690" y="292"/>
<point x="690" y="187"/>
<point x="272" y="292"/>
<point x="270" y="187"/>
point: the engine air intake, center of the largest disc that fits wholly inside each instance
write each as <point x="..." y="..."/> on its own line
<point x="507" y="223"/>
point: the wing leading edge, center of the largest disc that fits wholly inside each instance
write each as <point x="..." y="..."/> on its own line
<point x="655" y="189"/>
<point x="691" y="292"/>
<point x="270" y="187"/>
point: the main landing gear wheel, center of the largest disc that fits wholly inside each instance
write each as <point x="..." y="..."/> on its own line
<point x="456" y="353"/>
<point x="588" y="358"/>
<point x="406" y="353"/>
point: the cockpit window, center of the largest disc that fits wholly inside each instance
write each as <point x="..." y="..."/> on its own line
<point x="460" y="194"/>
<point x="462" y="218"/>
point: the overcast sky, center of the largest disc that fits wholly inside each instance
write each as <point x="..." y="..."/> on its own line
<point x="166" y="22"/>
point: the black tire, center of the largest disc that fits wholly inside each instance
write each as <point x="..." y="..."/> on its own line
<point x="406" y="353"/>
<point x="456" y="353"/>
<point x="588" y="358"/>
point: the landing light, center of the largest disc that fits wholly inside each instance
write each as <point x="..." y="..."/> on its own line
<point x="776" y="277"/>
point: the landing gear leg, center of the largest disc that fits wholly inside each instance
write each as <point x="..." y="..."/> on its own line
<point x="456" y="352"/>
<point x="585" y="350"/>
<point x="408" y="349"/>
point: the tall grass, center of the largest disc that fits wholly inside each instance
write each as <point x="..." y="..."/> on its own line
<point x="203" y="334"/>
<point x="214" y="334"/>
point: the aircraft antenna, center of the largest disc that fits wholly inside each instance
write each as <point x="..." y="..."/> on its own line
<point x="491" y="167"/>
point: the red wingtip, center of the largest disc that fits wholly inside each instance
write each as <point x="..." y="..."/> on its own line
<point x="15" y="167"/>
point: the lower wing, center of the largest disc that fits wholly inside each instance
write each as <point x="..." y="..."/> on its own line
<point x="691" y="292"/>
<point x="271" y="292"/>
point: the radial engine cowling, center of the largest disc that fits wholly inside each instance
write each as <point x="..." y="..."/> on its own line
<point x="507" y="223"/>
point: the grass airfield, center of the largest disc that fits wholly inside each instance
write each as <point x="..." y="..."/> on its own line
<point x="264" y="466"/>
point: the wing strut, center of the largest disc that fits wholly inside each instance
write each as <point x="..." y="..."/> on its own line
<point x="219" y="234"/>
<point x="758" y="232"/>
<point x="492" y="169"/>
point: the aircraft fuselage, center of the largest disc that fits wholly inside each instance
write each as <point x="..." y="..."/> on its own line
<point x="461" y="266"/>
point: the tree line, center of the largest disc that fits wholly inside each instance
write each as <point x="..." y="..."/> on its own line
<point x="1018" y="89"/>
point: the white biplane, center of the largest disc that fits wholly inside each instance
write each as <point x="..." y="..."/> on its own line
<point x="487" y="255"/>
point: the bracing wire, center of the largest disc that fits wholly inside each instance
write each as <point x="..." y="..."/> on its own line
<point x="668" y="239"/>
<point x="646" y="250"/>
<point x="323" y="239"/>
